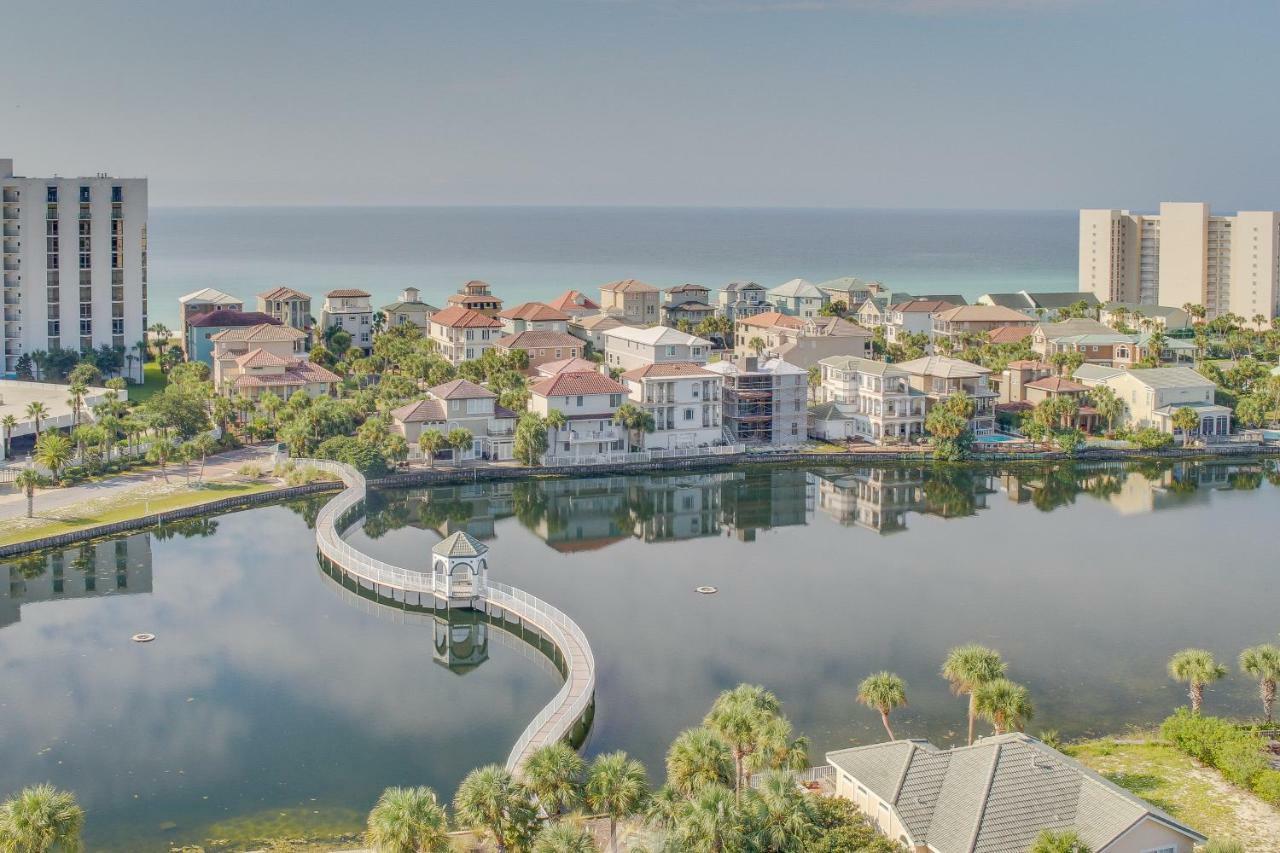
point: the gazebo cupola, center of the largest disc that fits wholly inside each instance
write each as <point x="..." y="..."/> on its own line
<point x="459" y="567"/>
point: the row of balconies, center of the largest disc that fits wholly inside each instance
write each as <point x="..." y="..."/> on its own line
<point x="11" y="196"/>
<point x="10" y="212"/>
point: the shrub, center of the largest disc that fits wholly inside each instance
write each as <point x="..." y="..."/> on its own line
<point x="1198" y="736"/>
<point x="1150" y="438"/>
<point x="1267" y="785"/>
<point x="249" y="471"/>
<point x="1236" y="752"/>
<point x="1240" y="760"/>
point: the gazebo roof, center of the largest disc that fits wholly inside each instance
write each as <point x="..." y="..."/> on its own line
<point x="460" y="544"/>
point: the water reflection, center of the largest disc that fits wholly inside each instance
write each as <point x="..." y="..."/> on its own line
<point x="91" y="569"/>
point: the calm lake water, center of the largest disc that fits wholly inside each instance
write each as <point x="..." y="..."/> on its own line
<point x="274" y="701"/>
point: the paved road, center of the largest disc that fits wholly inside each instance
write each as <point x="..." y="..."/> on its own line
<point x="13" y="504"/>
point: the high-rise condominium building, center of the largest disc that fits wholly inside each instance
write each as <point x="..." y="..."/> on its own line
<point x="75" y="264"/>
<point x="1184" y="255"/>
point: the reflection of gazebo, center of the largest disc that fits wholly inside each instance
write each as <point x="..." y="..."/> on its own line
<point x="460" y="641"/>
<point x="459" y="567"/>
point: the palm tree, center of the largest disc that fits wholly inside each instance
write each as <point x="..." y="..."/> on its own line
<point x="968" y="667"/>
<point x="41" y="819"/>
<point x="564" y="838"/>
<point x="202" y="445"/>
<point x="617" y="787"/>
<point x="159" y="453"/>
<point x="741" y="717"/>
<point x="634" y="420"/>
<point x="1195" y="667"/>
<point x="1263" y="663"/>
<point x="53" y="451"/>
<point x="780" y="815"/>
<point x="698" y="757"/>
<point x="1066" y="841"/>
<point x="491" y="800"/>
<point x="77" y="390"/>
<point x="757" y="345"/>
<point x="883" y="691"/>
<point x="1004" y="704"/>
<point x="8" y="423"/>
<point x="29" y="480"/>
<point x="36" y="412"/>
<point x="709" y="821"/>
<point x="431" y="442"/>
<point x="554" y="774"/>
<point x="1186" y="420"/>
<point x="407" y="820"/>
<point x="460" y="440"/>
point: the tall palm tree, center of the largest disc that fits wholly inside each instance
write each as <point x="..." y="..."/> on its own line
<point x="76" y="402"/>
<point x="1263" y="663"/>
<point x="968" y="667"/>
<point x="709" y="821"/>
<point x="431" y="442"/>
<point x="37" y="411"/>
<point x="698" y="757"/>
<point x="41" y="819"/>
<point x="566" y="837"/>
<point x="742" y="717"/>
<point x="53" y="451"/>
<point x="407" y="820"/>
<point x="779" y="815"/>
<point x="491" y="800"/>
<point x="1004" y="704"/>
<point x="460" y="440"/>
<point x="635" y="421"/>
<point x="554" y="774"/>
<point x="8" y="423"/>
<point x="29" y="480"/>
<point x="617" y="787"/>
<point x="1196" y="668"/>
<point x="883" y="691"/>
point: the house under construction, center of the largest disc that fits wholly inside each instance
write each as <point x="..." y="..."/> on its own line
<point x="764" y="404"/>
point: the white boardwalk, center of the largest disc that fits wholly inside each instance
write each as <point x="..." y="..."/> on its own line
<point x="555" y="721"/>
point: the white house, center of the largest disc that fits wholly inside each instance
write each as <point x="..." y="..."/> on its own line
<point x="684" y="399"/>
<point x="462" y="334"/>
<point x="588" y="400"/>
<point x="349" y="309"/>
<point x="627" y="348"/>
<point x="460" y="404"/>
<point x="871" y="400"/>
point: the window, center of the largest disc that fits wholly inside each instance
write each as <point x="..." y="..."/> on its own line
<point x="86" y="327"/>
<point x="1168" y="849"/>
<point x="117" y="326"/>
<point x="615" y="400"/>
<point x="84" y="194"/>
<point x="51" y="195"/>
<point x="117" y="195"/>
<point x="688" y="414"/>
<point x="55" y="328"/>
<point x="578" y="401"/>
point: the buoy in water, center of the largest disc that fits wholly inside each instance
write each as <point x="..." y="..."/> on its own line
<point x="143" y="638"/>
<point x="706" y="590"/>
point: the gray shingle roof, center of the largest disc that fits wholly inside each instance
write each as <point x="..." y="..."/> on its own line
<point x="460" y="544"/>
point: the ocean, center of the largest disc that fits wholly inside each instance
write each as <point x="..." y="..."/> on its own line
<point x="535" y="253"/>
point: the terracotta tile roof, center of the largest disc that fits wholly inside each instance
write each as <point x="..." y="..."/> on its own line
<point x="603" y="322"/>
<point x="667" y="369"/>
<point x="346" y="292"/>
<point x="262" y="358"/>
<point x="982" y="314"/>
<point x="573" y="384"/>
<point x="227" y="317"/>
<point x="284" y="293"/>
<point x="298" y="373"/>
<point x="465" y="299"/>
<point x="770" y="319"/>
<point x="423" y="411"/>
<point x="458" y="317"/>
<point x="572" y="299"/>
<point x="533" y="311"/>
<point x="688" y="288"/>
<point x="461" y="389"/>
<point x="539" y="339"/>
<point x="272" y="331"/>
<point x="1009" y="334"/>
<point x="629" y="285"/>
<point x="1058" y="384"/>
<point x="1030" y="364"/>
<point x="565" y="365"/>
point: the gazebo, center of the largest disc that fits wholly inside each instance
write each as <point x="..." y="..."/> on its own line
<point x="459" y="567"/>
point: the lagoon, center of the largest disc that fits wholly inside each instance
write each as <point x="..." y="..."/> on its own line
<point x="271" y="698"/>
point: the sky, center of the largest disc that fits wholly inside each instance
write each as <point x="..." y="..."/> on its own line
<point x="1040" y="104"/>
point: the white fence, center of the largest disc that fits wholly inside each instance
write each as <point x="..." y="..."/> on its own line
<point x="622" y="456"/>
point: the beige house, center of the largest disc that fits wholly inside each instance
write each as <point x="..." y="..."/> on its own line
<point x="684" y="399"/>
<point x="291" y="307"/>
<point x="408" y="309"/>
<point x="1136" y="316"/>
<point x="1152" y="397"/>
<point x="591" y="328"/>
<point x="541" y="346"/>
<point x="626" y="348"/>
<point x="460" y="404"/>
<point x="997" y="796"/>
<point x="282" y="341"/>
<point x="462" y="334"/>
<point x="939" y="377"/>
<point x="348" y="309"/>
<point x="259" y="371"/>
<point x="588" y="400"/>
<point x="631" y="301"/>
<point x="914" y="317"/>
<point x="533" y="317"/>
<point x="798" y="341"/>
<point x="870" y="400"/>
<point x="974" y="320"/>
<point x="476" y="296"/>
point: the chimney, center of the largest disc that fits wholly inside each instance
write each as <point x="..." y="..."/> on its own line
<point x="6" y="168"/>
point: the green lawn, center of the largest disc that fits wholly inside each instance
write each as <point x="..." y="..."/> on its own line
<point x="134" y="508"/>
<point x="153" y="383"/>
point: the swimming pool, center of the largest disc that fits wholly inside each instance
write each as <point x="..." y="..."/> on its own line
<point x="994" y="438"/>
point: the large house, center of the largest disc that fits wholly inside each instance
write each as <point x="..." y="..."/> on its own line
<point x="626" y="348"/>
<point x="533" y="317"/>
<point x="291" y="307"/>
<point x="202" y="302"/>
<point x="575" y="304"/>
<point x="913" y="317"/>
<point x="798" y="298"/>
<point x="764" y="402"/>
<point x="588" y="400"/>
<point x="590" y="329"/>
<point x="797" y="341"/>
<point x="1024" y="384"/>
<point x="476" y="296"/>
<point x="408" y="309"/>
<point x="739" y="299"/>
<point x="1136" y="316"/>
<point x="973" y="320"/>
<point x="684" y="399"/>
<point x="997" y="796"/>
<point x="202" y="328"/>
<point x="1040" y="306"/>
<point x="259" y="371"/>
<point x="686" y="302"/>
<point x="1153" y="396"/>
<point x="230" y="344"/>
<point x="851" y="291"/>
<point x="541" y="346"/>
<point x="633" y="302"/>
<point x="462" y="334"/>
<point x="460" y="404"/>
<point x="939" y="378"/>
<point x="348" y="309"/>
<point x="1098" y="343"/>
<point x="870" y="400"/>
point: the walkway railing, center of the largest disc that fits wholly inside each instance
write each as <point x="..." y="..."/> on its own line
<point x="557" y="719"/>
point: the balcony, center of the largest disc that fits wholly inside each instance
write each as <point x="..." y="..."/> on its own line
<point x="12" y="231"/>
<point x="613" y="434"/>
<point x="11" y="246"/>
<point x="12" y="315"/>
<point x="10" y="213"/>
<point x="11" y="197"/>
<point x="11" y="266"/>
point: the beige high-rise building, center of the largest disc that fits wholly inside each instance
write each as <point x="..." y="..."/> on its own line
<point x="1184" y="255"/>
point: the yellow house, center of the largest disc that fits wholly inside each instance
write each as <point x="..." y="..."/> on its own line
<point x="1153" y="395"/>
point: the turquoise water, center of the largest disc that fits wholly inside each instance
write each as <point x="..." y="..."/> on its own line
<point x="995" y="438"/>
<point x="530" y="253"/>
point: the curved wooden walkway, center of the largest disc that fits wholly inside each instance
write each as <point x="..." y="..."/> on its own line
<point x="557" y="719"/>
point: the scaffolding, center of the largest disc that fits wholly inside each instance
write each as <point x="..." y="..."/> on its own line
<point x="749" y="408"/>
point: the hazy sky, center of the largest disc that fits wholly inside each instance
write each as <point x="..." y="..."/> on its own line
<point x="851" y="103"/>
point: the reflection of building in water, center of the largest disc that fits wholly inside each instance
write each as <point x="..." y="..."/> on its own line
<point x="91" y="569"/>
<point x="766" y="498"/>
<point x="460" y="640"/>
<point x="880" y="498"/>
<point x="671" y="508"/>
<point x="582" y="515"/>
<point x="1132" y="488"/>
